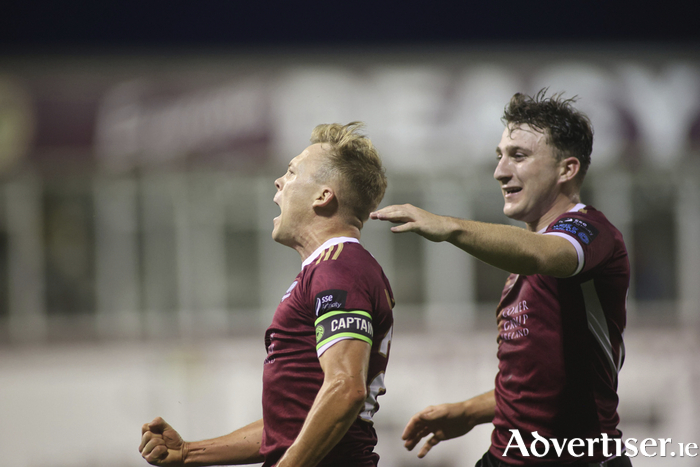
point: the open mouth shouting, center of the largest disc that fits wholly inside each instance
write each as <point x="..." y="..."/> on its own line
<point x="277" y="202"/>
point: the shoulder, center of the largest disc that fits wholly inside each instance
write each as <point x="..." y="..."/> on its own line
<point x="585" y="224"/>
<point x="344" y="276"/>
<point x="342" y="259"/>
<point x="344" y="265"/>
<point x="595" y="239"/>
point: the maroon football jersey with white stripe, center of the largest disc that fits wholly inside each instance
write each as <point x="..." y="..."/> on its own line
<point x="560" y="344"/>
<point x="340" y="293"/>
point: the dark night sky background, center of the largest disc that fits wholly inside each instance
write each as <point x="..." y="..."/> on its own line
<point x="96" y="26"/>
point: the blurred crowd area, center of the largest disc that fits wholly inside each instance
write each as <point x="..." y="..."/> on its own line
<point x="136" y="211"/>
<point x="136" y="192"/>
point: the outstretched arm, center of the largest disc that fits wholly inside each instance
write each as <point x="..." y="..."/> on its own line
<point x="447" y="421"/>
<point x="336" y="406"/>
<point x="162" y="445"/>
<point x="506" y="247"/>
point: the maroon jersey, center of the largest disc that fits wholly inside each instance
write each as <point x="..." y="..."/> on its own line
<point x="560" y="344"/>
<point x="340" y="293"/>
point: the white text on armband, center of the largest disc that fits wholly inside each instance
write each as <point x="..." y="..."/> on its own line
<point x="344" y="324"/>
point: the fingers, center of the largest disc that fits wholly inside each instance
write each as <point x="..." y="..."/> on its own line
<point x="152" y="436"/>
<point x="413" y="219"/>
<point x="416" y="429"/>
<point x="413" y="442"/>
<point x="145" y="438"/>
<point x="433" y="441"/>
<point x="396" y="213"/>
<point x="381" y="213"/>
<point x="158" y="453"/>
<point x="152" y="447"/>
<point x="413" y="427"/>
<point x="407" y="227"/>
<point x="420" y="426"/>
<point x="158" y="425"/>
<point x="414" y="438"/>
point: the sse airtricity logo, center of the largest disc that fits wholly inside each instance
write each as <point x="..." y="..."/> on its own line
<point x="330" y="300"/>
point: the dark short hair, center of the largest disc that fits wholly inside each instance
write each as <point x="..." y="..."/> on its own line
<point x="355" y="163"/>
<point x="568" y="130"/>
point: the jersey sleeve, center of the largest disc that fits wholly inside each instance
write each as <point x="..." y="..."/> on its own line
<point x="342" y="305"/>
<point x="591" y="238"/>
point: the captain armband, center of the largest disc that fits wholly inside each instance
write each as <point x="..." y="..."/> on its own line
<point x="339" y="325"/>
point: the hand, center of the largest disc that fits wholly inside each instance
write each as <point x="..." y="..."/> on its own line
<point x="431" y="226"/>
<point x="445" y="421"/>
<point x="161" y="444"/>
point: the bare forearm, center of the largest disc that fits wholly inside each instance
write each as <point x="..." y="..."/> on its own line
<point x="335" y="409"/>
<point x="509" y="248"/>
<point x="513" y="249"/>
<point x="237" y="448"/>
<point x="480" y="409"/>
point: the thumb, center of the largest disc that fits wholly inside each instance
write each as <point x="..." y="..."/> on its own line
<point x="407" y="227"/>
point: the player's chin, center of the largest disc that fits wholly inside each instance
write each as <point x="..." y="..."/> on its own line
<point x="278" y="235"/>
<point x="512" y="212"/>
<point x="508" y="209"/>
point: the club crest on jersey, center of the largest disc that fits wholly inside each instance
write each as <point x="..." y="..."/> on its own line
<point x="319" y="333"/>
<point x="576" y="227"/>
<point x="330" y="300"/>
<point x="289" y="291"/>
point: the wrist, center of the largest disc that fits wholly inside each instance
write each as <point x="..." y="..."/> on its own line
<point x="184" y="450"/>
<point x="467" y="408"/>
<point x="454" y="230"/>
<point x="477" y="412"/>
<point x="192" y="452"/>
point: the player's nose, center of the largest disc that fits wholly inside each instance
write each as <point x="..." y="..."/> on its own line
<point x="502" y="172"/>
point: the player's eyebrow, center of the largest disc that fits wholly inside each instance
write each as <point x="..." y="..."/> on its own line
<point x="513" y="148"/>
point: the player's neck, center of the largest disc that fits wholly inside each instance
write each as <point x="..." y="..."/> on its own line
<point x="561" y="205"/>
<point x="316" y="236"/>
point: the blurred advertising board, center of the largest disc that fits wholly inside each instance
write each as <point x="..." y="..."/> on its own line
<point x="245" y="113"/>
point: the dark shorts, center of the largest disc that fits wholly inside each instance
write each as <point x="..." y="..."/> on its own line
<point x="489" y="460"/>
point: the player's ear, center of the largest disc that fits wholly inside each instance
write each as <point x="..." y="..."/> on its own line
<point x="569" y="168"/>
<point x="325" y="199"/>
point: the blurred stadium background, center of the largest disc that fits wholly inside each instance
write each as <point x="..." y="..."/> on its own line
<point x="138" y="149"/>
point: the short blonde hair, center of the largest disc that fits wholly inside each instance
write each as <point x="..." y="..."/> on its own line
<point x="355" y="163"/>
